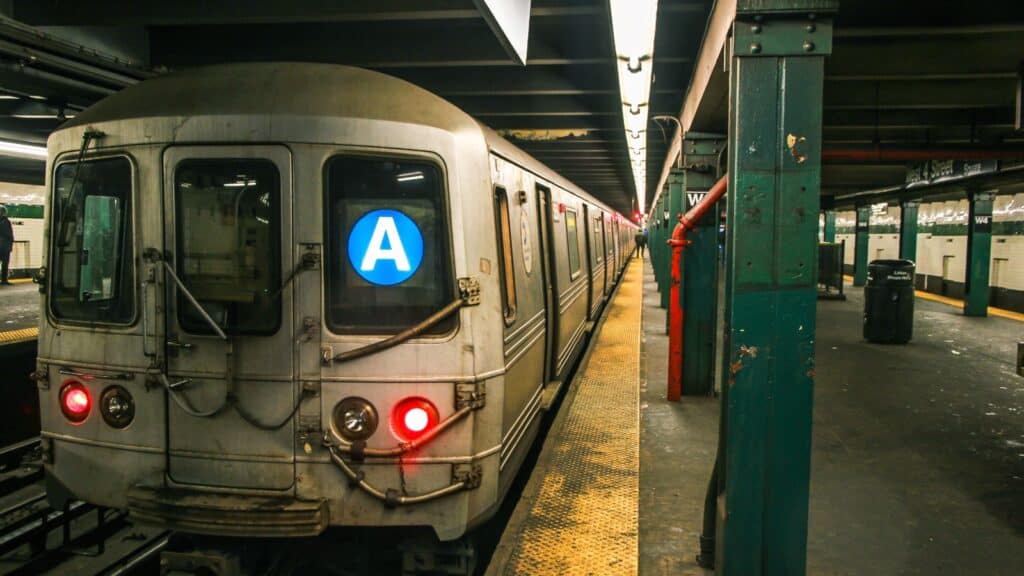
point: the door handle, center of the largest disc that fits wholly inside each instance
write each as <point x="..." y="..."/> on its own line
<point x="179" y="345"/>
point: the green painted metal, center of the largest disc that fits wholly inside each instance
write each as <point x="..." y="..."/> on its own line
<point x="860" y="248"/>
<point x="775" y="116"/>
<point x="657" y="241"/>
<point x="979" y="254"/>
<point x="699" y="290"/>
<point x="908" y="230"/>
<point x="675" y="206"/>
<point x="829" y="234"/>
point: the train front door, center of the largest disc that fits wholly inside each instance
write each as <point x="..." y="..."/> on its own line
<point x="228" y="262"/>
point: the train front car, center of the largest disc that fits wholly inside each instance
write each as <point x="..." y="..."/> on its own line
<point x="272" y="306"/>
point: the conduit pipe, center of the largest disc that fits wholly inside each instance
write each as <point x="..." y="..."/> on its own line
<point x="920" y="155"/>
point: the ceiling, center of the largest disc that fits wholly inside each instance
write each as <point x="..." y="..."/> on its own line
<point x="909" y="75"/>
<point x="563" y="106"/>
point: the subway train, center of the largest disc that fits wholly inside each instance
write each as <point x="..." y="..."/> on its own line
<point x="283" y="297"/>
<point x="941" y="256"/>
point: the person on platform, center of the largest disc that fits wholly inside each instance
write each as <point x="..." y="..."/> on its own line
<point x="641" y="242"/>
<point x="6" y="244"/>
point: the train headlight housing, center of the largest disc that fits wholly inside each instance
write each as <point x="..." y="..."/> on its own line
<point x="75" y="401"/>
<point x="117" y="407"/>
<point x="355" y="418"/>
<point x="412" y="417"/>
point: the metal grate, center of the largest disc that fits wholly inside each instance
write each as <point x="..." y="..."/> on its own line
<point x="584" y="517"/>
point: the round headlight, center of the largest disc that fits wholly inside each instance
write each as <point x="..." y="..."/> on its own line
<point x="117" y="407"/>
<point x="355" y="418"/>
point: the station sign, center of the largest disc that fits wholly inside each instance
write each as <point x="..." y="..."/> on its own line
<point x="385" y="247"/>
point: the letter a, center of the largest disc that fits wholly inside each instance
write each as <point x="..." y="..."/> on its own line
<point x="375" y="250"/>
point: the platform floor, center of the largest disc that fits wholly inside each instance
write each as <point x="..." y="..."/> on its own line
<point x="918" y="450"/>
<point x="19" y="306"/>
<point x="579" y="515"/>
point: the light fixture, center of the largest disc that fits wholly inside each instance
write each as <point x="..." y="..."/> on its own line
<point x="633" y="28"/>
<point x="409" y="176"/>
<point x="23" y="150"/>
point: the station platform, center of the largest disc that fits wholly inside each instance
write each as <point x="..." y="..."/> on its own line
<point x="19" y="311"/>
<point x="917" y="463"/>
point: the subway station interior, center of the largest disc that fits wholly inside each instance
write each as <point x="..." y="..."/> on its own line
<point x="512" y="287"/>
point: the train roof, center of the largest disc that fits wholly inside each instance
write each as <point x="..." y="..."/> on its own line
<point x="302" y="89"/>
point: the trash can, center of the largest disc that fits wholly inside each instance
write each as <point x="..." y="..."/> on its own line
<point x="889" y="302"/>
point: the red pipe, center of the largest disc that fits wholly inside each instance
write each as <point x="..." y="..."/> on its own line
<point x="919" y="155"/>
<point x="676" y="314"/>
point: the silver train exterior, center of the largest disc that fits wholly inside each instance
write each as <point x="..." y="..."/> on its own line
<point x="223" y="199"/>
<point x="941" y="256"/>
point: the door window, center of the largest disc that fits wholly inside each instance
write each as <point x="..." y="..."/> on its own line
<point x="572" y="236"/>
<point x="228" y="236"/>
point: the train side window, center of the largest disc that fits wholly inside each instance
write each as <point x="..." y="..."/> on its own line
<point x="505" y="245"/>
<point x="572" y="237"/>
<point x="387" y="248"/>
<point x="598" y="250"/>
<point x="91" y="249"/>
<point x="228" y="236"/>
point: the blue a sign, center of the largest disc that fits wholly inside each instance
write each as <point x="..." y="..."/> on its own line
<point x="385" y="247"/>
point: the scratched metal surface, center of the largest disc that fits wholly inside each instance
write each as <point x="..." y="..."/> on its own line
<point x="583" y="519"/>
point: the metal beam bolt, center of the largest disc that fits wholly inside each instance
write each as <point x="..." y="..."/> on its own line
<point x="755" y="48"/>
<point x="808" y="46"/>
<point x="811" y="28"/>
<point x="756" y="28"/>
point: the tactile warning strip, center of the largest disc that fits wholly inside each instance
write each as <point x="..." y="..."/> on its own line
<point x="583" y="518"/>
<point x="12" y="336"/>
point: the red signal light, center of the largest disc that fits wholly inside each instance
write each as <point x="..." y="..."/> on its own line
<point x="75" y="402"/>
<point x="413" y="417"/>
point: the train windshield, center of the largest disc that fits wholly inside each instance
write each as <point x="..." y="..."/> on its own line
<point x="229" y="244"/>
<point x="91" y="255"/>
<point x="387" y="250"/>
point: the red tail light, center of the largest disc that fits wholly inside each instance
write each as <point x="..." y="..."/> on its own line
<point x="412" y="417"/>
<point x="75" y="402"/>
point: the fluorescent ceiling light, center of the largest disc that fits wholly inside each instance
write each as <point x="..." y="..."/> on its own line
<point x="239" y="183"/>
<point x="8" y="97"/>
<point x="409" y="176"/>
<point x="22" y="150"/>
<point x="633" y="27"/>
<point x="42" y="116"/>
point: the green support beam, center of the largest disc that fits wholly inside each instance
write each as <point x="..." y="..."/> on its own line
<point x="829" y="234"/>
<point x="908" y="230"/>
<point x="675" y="206"/>
<point x="860" y="246"/>
<point x="699" y="290"/>
<point x="776" y="73"/>
<point x="658" y="243"/>
<point x="979" y="254"/>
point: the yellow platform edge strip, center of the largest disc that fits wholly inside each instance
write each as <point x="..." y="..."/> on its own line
<point x="992" y="310"/>
<point x="12" y="336"/>
<point x="584" y="519"/>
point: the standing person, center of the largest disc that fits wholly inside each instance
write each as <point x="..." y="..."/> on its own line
<point x="641" y="241"/>
<point x="6" y="244"/>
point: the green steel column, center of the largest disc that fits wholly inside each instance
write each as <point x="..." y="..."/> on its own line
<point x="699" y="294"/>
<point x="860" y="246"/>
<point x="830" y="226"/>
<point x="908" y="230"/>
<point x="979" y="254"/>
<point x="675" y="206"/>
<point x="775" y="112"/>
<point x="658" y="241"/>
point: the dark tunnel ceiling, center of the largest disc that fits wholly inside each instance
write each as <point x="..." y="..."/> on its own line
<point x="913" y="73"/>
<point x="563" y="107"/>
